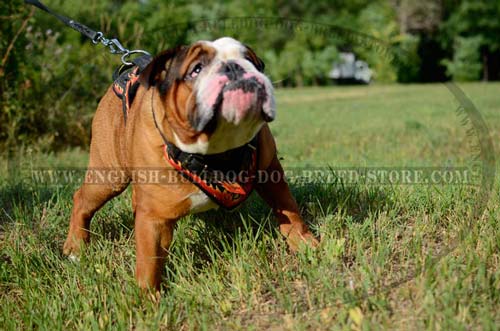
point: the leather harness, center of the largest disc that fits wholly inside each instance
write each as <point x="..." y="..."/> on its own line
<point x="226" y="178"/>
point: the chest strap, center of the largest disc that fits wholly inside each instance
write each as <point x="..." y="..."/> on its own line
<point x="227" y="178"/>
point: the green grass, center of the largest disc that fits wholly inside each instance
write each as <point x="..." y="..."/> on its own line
<point x="391" y="257"/>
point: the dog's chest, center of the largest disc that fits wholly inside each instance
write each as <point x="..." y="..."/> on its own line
<point x="200" y="202"/>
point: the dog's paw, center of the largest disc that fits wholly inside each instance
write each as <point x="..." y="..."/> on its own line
<point x="73" y="258"/>
<point x="72" y="249"/>
<point x="297" y="240"/>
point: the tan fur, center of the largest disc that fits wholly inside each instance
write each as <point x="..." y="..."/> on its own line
<point x="156" y="208"/>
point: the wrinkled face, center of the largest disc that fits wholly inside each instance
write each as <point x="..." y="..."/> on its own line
<point x="215" y="95"/>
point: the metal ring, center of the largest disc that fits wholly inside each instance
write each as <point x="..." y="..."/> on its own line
<point x="136" y="51"/>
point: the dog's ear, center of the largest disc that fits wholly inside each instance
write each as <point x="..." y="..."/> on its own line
<point x="159" y="68"/>
<point x="252" y="57"/>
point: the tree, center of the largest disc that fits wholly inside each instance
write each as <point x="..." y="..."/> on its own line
<point x="418" y="16"/>
<point x="466" y="63"/>
<point x="477" y="18"/>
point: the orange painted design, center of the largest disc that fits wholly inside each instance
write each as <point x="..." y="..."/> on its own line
<point x="118" y="89"/>
<point x="225" y="193"/>
<point x="133" y="79"/>
<point x="124" y="92"/>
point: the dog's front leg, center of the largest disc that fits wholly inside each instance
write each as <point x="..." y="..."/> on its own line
<point x="153" y="237"/>
<point x="275" y="191"/>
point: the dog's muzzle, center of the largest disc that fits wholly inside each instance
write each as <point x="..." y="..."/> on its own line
<point x="236" y="96"/>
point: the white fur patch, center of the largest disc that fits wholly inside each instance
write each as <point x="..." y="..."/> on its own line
<point x="227" y="48"/>
<point x="199" y="147"/>
<point x="200" y="202"/>
<point x="74" y="258"/>
<point x="229" y="136"/>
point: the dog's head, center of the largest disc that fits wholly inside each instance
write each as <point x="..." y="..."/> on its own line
<point x="214" y="94"/>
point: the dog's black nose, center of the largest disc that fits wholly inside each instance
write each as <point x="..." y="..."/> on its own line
<point x="232" y="70"/>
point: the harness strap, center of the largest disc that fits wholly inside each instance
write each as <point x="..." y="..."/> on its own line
<point x="141" y="62"/>
<point x="232" y="160"/>
<point x="126" y="81"/>
<point x="227" y="178"/>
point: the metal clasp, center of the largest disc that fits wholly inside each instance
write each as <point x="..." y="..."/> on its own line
<point x="115" y="47"/>
<point x="119" y="47"/>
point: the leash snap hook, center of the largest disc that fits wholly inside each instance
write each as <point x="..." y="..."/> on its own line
<point x="116" y="47"/>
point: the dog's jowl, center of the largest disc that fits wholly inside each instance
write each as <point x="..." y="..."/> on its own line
<point x="188" y="130"/>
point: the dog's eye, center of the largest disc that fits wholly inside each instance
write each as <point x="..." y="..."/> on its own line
<point x="196" y="70"/>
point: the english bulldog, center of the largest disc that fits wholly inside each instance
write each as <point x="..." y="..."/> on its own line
<point x="197" y="108"/>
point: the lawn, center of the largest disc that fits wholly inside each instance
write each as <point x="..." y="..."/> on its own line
<point x="393" y="256"/>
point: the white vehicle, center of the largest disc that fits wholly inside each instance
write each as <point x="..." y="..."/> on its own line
<point x="348" y="69"/>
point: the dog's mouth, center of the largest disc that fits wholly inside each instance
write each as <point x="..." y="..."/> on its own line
<point x="242" y="99"/>
<point x="244" y="102"/>
<point x="239" y="101"/>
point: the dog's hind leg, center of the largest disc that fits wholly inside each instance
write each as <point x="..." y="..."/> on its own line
<point x="86" y="201"/>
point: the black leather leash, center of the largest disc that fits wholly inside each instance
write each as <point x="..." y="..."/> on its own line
<point x="96" y="37"/>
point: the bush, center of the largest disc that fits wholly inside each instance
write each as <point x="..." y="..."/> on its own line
<point x="466" y="64"/>
<point x="50" y="84"/>
<point x="53" y="77"/>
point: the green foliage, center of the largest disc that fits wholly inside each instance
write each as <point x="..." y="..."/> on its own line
<point x="466" y="63"/>
<point x="472" y="30"/>
<point x="378" y="20"/>
<point x="408" y="59"/>
<point x="51" y="82"/>
<point x="473" y="18"/>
